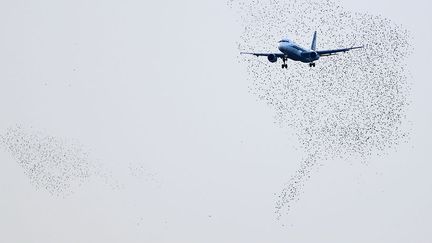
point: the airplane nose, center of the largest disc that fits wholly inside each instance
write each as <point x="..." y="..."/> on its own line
<point x="281" y="47"/>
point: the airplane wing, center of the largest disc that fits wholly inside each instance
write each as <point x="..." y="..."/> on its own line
<point x="324" y="53"/>
<point x="263" y="54"/>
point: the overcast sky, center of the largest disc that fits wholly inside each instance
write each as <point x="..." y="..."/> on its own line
<point x="157" y="87"/>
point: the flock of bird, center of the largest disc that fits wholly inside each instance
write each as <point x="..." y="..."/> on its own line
<point x="60" y="166"/>
<point x="349" y="106"/>
<point x="57" y="165"/>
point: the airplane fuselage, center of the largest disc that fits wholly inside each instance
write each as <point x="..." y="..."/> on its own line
<point x="297" y="53"/>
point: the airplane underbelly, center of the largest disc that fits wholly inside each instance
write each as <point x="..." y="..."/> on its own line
<point x="291" y="53"/>
<point x="294" y="55"/>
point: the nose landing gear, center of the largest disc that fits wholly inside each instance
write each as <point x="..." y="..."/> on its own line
<point x="284" y="65"/>
<point x="311" y="64"/>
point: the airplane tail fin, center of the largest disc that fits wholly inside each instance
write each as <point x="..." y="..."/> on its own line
<point x="313" y="46"/>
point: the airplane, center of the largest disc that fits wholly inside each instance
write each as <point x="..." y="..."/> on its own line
<point x="290" y="50"/>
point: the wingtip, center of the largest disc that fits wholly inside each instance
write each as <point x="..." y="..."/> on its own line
<point x="247" y="53"/>
<point x="357" y="47"/>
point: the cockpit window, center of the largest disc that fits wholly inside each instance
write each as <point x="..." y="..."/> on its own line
<point x="284" y="40"/>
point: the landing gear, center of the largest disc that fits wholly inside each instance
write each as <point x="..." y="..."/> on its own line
<point x="311" y="64"/>
<point x="284" y="65"/>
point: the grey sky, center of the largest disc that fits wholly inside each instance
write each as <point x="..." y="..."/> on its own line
<point x="158" y="85"/>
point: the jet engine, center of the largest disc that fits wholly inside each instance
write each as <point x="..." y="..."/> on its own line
<point x="311" y="55"/>
<point x="272" y="58"/>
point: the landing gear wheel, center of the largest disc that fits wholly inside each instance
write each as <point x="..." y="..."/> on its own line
<point x="311" y="64"/>
<point x="284" y="65"/>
